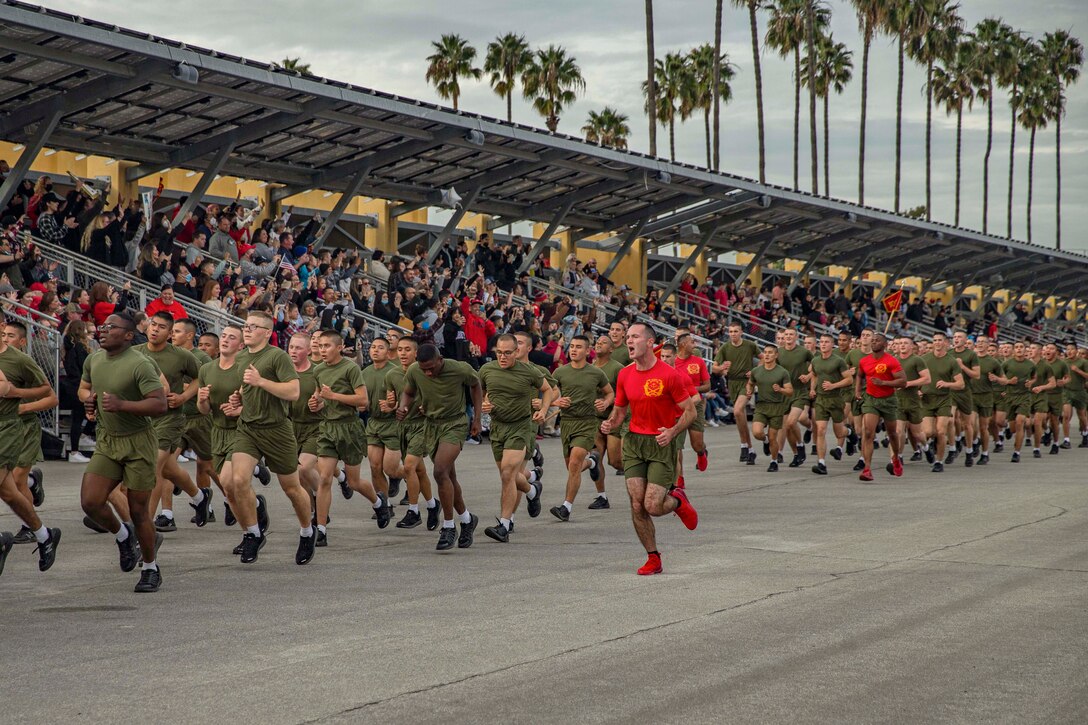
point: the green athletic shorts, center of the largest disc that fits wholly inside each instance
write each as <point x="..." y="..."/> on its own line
<point x="31" y="452"/>
<point x="1077" y="399"/>
<point x="345" y="440"/>
<point x="275" y="443"/>
<point x="1018" y="406"/>
<point x="169" y="430"/>
<point x="413" y="438"/>
<point x="1040" y="404"/>
<point x="936" y="405"/>
<point x="737" y="388"/>
<point x="447" y="430"/>
<point x="828" y="407"/>
<point x="306" y="435"/>
<point x="800" y="399"/>
<point x="855" y="406"/>
<point x="644" y="458"/>
<point x="129" y="459"/>
<point x="198" y="436"/>
<point x="984" y="405"/>
<point x="910" y="406"/>
<point x="963" y="401"/>
<point x="384" y="433"/>
<point x="1055" y="403"/>
<point x="1001" y="403"/>
<point x="771" y="414"/>
<point x="578" y="433"/>
<point x="886" y="407"/>
<point x="11" y="443"/>
<point x="519" y="436"/>
<point x="222" y="442"/>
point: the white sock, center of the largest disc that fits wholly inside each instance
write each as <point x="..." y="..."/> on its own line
<point x="603" y="495"/>
<point x="447" y="524"/>
<point x="431" y="503"/>
<point x="154" y="565"/>
<point x="198" y="498"/>
<point x="823" y="462"/>
<point x="377" y="502"/>
<point x="531" y="493"/>
<point x="1066" y="439"/>
<point x="255" y="530"/>
<point x="838" y="448"/>
<point x="168" y="514"/>
<point x="531" y="476"/>
<point x="568" y="506"/>
<point x="466" y="517"/>
<point x="307" y="532"/>
<point x="322" y="529"/>
<point x="744" y="446"/>
<point x="1036" y="449"/>
<point x="414" y="508"/>
<point x="42" y="534"/>
<point x="506" y="523"/>
<point x="122" y="534"/>
<point x="593" y="462"/>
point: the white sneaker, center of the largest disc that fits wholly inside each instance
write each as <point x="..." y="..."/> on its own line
<point x="86" y="443"/>
<point x="190" y="454"/>
<point x="77" y="457"/>
<point x="713" y="423"/>
<point x="182" y="459"/>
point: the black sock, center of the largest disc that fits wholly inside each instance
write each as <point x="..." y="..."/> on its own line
<point x="653" y="552"/>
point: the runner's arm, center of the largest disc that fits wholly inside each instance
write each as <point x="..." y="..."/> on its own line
<point x="921" y="381"/>
<point x="287" y="390"/>
<point x="28" y="393"/>
<point x="958" y="383"/>
<point x="357" y="399"/>
<point x="46" y="402"/>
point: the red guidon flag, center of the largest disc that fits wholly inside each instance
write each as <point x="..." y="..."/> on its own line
<point x="893" y="301"/>
<point x="159" y="189"/>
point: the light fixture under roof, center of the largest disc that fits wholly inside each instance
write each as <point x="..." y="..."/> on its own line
<point x="80" y="157"/>
<point x="190" y="174"/>
<point x="50" y="152"/>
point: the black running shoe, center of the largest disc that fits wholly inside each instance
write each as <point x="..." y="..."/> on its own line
<point x="752" y="458"/>
<point x="127" y="550"/>
<point x="1036" y="453"/>
<point x="47" y="550"/>
<point x="814" y="451"/>
<point x="836" y="453"/>
<point x="885" y="442"/>
<point x="600" y="503"/>
<point x="938" y="467"/>
<point x="595" y="467"/>
<point x="968" y="460"/>
<point x="36" y="488"/>
<point x="1065" y="445"/>
<point x="1000" y="447"/>
<point x="211" y="515"/>
<point x="560" y="512"/>
<point x="796" y="461"/>
<point x="1015" y="457"/>
<point x="983" y="459"/>
<point x="772" y="467"/>
<point x="202" y="507"/>
<point x="916" y="456"/>
<point x="851" y="447"/>
<point x="976" y="448"/>
<point x="150" y="581"/>
<point x="404" y="499"/>
<point x="263" y="474"/>
<point x="743" y="455"/>
<point x="446" y="539"/>
<point x="533" y="504"/>
<point x="384" y="512"/>
<point x="24" y="535"/>
<point x="1083" y="442"/>
<point x="177" y="490"/>
<point x="930" y="455"/>
<point x="432" y="517"/>
<point x="251" y="545"/>
<point x="411" y="520"/>
<point x="394" y="487"/>
<point x="859" y="466"/>
<point x="959" y="445"/>
<point x="801" y="454"/>
<point x="262" y="515"/>
<point x="498" y="532"/>
<point x="5" y="548"/>
<point x="950" y="458"/>
<point x="345" y="490"/>
<point x="305" y="553"/>
<point x="538" y="457"/>
<point x="1054" y="449"/>
<point x="808" y="436"/>
<point x="1046" y="438"/>
<point x="465" y="539"/>
<point x="766" y="448"/>
<point x="228" y="515"/>
<point x="241" y="545"/>
<point x="322" y="539"/>
<point x="779" y="459"/>
<point x="820" y="469"/>
<point x="164" y="524"/>
<point x="890" y="469"/>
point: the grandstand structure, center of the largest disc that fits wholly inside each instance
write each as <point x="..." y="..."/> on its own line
<point x="154" y="107"/>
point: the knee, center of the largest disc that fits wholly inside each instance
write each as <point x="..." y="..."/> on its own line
<point x="441" y="473"/>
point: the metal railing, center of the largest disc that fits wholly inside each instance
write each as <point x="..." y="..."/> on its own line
<point x="43" y="344"/>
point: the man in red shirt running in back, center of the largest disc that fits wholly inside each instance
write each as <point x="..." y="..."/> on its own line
<point x="883" y="374"/>
<point x="661" y="408"/>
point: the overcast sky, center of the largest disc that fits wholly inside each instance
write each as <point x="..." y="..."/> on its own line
<point x="383" y="45"/>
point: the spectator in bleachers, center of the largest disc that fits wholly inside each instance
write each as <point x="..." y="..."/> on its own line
<point x="103" y="301"/>
<point x="222" y="244"/>
<point x="377" y="268"/>
<point x="166" y="302"/>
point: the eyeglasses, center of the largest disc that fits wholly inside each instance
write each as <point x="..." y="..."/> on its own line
<point x="110" y="326"/>
<point x="251" y="328"/>
<point x="505" y="353"/>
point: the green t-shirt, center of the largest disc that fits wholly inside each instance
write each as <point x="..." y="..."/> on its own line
<point x="512" y="391"/>
<point x="377" y="387"/>
<point x="223" y="383"/>
<point x="344" y="378"/>
<point x="1060" y="369"/>
<point x="739" y="357"/>
<point x="300" y="409"/>
<point x="1076" y="382"/>
<point x="178" y="366"/>
<point x="1044" y="373"/>
<point x="443" y="396"/>
<point x="583" y="387"/>
<point x="940" y="368"/>
<point x="611" y="370"/>
<point x="764" y="379"/>
<point x="202" y="359"/>
<point x="1023" y="371"/>
<point x="832" y="370"/>
<point x="260" y="407"/>
<point x="796" y="363"/>
<point x="395" y="379"/>
<point x="854" y="357"/>
<point x="545" y="372"/>
<point x="621" y="355"/>
<point x="983" y="386"/>
<point x="129" y="375"/>
<point x="22" y="372"/>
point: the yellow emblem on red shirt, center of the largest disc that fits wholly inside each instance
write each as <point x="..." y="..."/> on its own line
<point x="693" y="369"/>
<point x="653" y="388"/>
<point x="880" y="368"/>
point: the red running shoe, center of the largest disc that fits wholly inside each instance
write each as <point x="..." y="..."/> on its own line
<point x="897" y="466"/>
<point x="701" y="461"/>
<point x="652" y="565"/>
<point x="685" y="510"/>
<point x="680" y="482"/>
<point x="866" y="475"/>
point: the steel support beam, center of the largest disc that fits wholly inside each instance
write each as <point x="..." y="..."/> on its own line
<point x="454" y="220"/>
<point x="810" y="263"/>
<point x="928" y="284"/>
<point x="986" y="300"/>
<point x="205" y="182"/>
<point x="964" y="285"/>
<point x="31" y="148"/>
<point x="678" y="277"/>
<point x="401" y="209"/>
<point x="625" y="248"/>
<point x="848" y="280"/>
<point x="1061" y="310"/>
<point x="898" y="274"/>
<point x="351" y="237"/>
<point x="341" y="206"/>
<point x="756" y="259"/>
<point x="542" y="241"/>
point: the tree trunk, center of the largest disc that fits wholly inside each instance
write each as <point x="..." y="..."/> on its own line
<point x="1031" y="177"/>
<point x="827" y="154"/>
<point x="714" y="160"/>
<point x="868" y="41"/>
<point x="455" y="96"/>
<point x="959" y="148"/>
<point x="759" y="90"/>
<point x="986" y="158"/>
<point x="706" y="123"/>
<point x="672" y="139"/>
<point x="810" y="24"/>
<point x="1012" y="163"/>
<point x="651" y="87"/>
<point x="796" y="117"/>
<point x="899" y="127"/>
<point x="1058" y="196"/>
<point x="929" y="140"/>
<point x="509" y="106"/>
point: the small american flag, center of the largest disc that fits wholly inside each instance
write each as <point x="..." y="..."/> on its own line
<point x="285" y="265"/>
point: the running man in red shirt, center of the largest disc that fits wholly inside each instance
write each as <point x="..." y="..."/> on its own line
<point x="690" y="364"/>
<point x="883" y="374"/>
<point x="661" y="408"/>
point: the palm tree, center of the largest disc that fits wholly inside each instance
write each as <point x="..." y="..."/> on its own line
<point x="1064" y="55"/>
<point x="673" y="81"/>
<point x="1012" y="75"/>
<point x="702" y="66"/>
<point x="810" y="43"/>
<point x="607" y="128"/>
<point x="753" y="6"/>
<point x="294" y="64"/>
<point x="870" y="18"/>
<point x="900" y="20"/>
<point x="834" y="69"/>
<point x="507" y="58"/>
<point x="552" y="81"/>
<point x="936" y="33"/>
<point x="715" y="81"/>
<point x="993" y="41"/>
<point x="786" y="33"/>
<point x="451" y="61"/>
<point x="954" y="86"/>
<point x="1038" y="101"/>
<point x="651" y="87"/>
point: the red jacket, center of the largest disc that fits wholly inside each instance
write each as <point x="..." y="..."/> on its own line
<point x="175" y="309"/>
<point x="478" y="330"/>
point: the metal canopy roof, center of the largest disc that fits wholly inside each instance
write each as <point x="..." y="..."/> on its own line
<point x="121" y="93"/>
